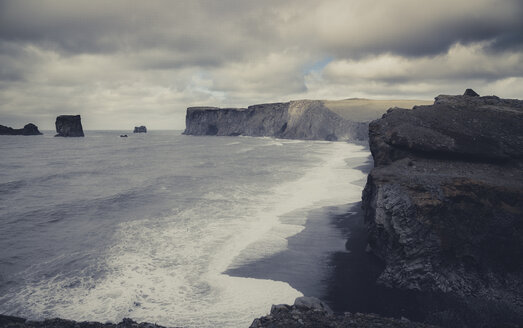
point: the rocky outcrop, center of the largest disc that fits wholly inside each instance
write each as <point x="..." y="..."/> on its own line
<point x="28" y="130"/>
<point x="69" y="126"/>
<point x="310" y="312"/>
<point x="444" y="202"/>
<point x="140" y="129"/>
<point x="307" y="312"/>
<point x="16" y="322"/>
<point x="303" y="119"/>
<point x="470" y="93"/>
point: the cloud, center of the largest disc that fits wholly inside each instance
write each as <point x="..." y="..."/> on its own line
<point x="460" y="62"/>
<point x="406" y="27"/>
<point x="122" y="63"/>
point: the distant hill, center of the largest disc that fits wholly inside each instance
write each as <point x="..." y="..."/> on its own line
<point x="364" y="110"/>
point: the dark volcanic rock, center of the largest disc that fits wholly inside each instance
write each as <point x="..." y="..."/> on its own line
<point x="15" y="322"/>
<point x="308" y="312"/>
<point x="303" y="119"/>
<point x="140" y="129"/>
<point x="69" y="126"/>
<point x="28" y="130"/>
<point x="444" y="203"/>
<point x="470" y="93"/>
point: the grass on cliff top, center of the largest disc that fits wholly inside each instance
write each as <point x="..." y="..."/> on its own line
<point x="362" y="110"/>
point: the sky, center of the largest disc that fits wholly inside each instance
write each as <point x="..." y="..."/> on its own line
<point x="125" y="63"/>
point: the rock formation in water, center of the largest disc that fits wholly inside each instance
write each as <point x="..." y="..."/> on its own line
<point x="69" y="126"/>
<point x="308" y="312"/>
<point x="303" y="119"/>
<point x="140" y="129"/>
<point x="444" y="202"/>
<point x="28" y="130"/>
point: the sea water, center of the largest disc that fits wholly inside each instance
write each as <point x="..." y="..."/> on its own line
<point x="102" y="228"/>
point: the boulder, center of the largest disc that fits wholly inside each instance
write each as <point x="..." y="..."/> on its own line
<point x="69" y="126"/>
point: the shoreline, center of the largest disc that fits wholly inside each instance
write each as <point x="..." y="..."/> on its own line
<point x="304" y="265"/>
<point x="306" y="262"/>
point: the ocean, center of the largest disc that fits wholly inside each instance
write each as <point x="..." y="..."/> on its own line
<point x="177" y="230"/>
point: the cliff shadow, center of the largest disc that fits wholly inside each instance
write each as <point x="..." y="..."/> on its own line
<point x="352" y="287"/>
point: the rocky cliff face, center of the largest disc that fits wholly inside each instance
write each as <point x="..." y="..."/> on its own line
<point x="444" y="202"/>
<point x="28" y="130"/>
<point x="69" y="126"/>
<point x="304" y="119"/>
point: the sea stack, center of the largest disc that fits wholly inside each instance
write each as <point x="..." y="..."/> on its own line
<point x="444" y="205"/>
<point x="28" y="130"/>
<point x="140" y="129"/>
<point x="69" y="126"/>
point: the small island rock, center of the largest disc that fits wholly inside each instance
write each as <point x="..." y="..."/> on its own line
<point x="69" y="126"/>
<point x="28" y="130"/>
<point x="140" y="129"/>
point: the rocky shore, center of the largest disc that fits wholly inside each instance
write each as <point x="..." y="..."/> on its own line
<point x="16" y="322"/>
<point x="308" y="312"/>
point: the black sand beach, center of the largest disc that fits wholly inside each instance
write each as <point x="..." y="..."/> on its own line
<point x="304" y="264"/>
<point x="307" y="264"/>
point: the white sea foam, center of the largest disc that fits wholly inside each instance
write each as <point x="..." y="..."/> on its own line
<point x="328" y="184"/>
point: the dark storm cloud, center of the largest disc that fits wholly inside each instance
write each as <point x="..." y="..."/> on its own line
<point x="411" y="28"/>
<point x="510" y="41"/>
<point x="208" y="32"/>
<point x="218" y="31"/>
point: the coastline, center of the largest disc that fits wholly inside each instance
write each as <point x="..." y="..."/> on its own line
<point x="314" y="257"/>
<point x="304" y="265"/>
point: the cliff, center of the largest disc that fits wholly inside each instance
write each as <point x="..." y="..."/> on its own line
<point x="444" y="203"/>
<point x="303" y="119"/>
<point x="69" y="126"/>
<point x="28" y="130"/>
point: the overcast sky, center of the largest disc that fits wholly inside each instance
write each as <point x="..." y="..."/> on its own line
<point x="126" y="63"/>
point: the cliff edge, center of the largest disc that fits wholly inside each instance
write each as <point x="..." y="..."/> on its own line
<point x="303" y="119"/>
<point x="444" y="203"/>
